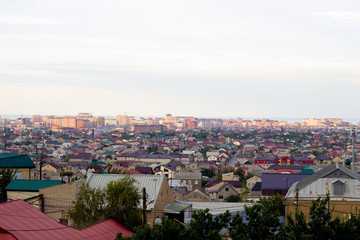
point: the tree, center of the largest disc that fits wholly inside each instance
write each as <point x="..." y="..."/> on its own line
<point x="320" y="225"/>
<point x="262" y="220"/>
<point x="68" y="174"/>
<point x="119" y="200"/>
<point x="89" y="207"/>
<point x="7" y="175"/>
<point x="240" y="172"/>
<point x="209" y="172"/>
<point x="233" y="198"/>
<point x="123" y="199"/>
<point x="204" y="226"/>
<point x="165" y="230"/>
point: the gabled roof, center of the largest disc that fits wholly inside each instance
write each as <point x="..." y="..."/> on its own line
<point x="31" y="185"/>
<point x="322" y="173"/>
<point x="256" y="187"/>
<point x="15" y="161"/>
<point x="23" y="221"/>
<point x="235" y="184"/>
<point x="152" y="184"/>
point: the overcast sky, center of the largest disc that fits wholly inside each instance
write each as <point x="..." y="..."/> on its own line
<point x="200" y="58"/>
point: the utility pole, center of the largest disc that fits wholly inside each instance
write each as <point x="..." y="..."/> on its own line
<point x="41" y="166"/>
<point x="353" y="135"/>
<point x="144" y="206"/>
<point x="36" y="159"/>
<point x="297" y="200"/>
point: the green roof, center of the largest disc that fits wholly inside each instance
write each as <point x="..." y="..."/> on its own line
<point x="16" y="161"/>
<point x="31" y="185"/>
<point x="97" y="164"/>
<point x="176" y="207"/>
<point x="307" y="171"/>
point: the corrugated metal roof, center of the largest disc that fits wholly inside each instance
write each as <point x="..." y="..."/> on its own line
<point x="25" y="222"/>
<point x="31" y="185"/>
<point x="151" y="183"/>
<point x="219" y="207"/>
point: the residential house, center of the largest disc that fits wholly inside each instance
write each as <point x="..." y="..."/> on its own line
<point x="229" y="177"/>
<point x="197" y="196"/>
<point x="191" y="179"/>
<point x="19" y="220"/>
<point x="59" y="199"/>
<point x="255" y="193"/>
<point x="166" y="170"/>
<point x="25" y="168"/>
<point x="265" y="161"/>
<point x="273" y="183"/>
<point x="51" y="167"/>
<point x="235" y="184"/>
<point x="252" y="181"/>
<point x="342" y="185"/>
<point x="177" y="165"/>
<point x="219" y="192"/>
<point x="26" y="189"/>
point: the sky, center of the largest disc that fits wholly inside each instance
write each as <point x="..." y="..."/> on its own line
<point x="234" y="58"/>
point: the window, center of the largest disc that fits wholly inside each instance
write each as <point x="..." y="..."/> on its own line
<point x="221" y="196"/>
<point x="196" y="182"/>
<point x="64" y="221"/>
<point x="339" y="187"/>
<point x="227" y="189"/>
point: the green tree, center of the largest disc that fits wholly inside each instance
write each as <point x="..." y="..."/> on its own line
<point x="119" y="200"/>
<point x="123" y="199"/>
<point x="262" y="220"/>
<point x="89" y="207"/>
<point x="165" y="230"/>
<point x="233" y="198"/>
<point x="209" y="172"/>
<point x="7" y="175"/>
<point x="240" y="172"/>
<point x="204" y="226"/>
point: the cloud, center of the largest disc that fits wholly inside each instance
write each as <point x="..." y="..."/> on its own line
<point x="23" y="20"/>
<point x="351" y="16"/>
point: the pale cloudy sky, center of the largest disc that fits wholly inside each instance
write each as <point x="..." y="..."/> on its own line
<point x="231" y="58"/>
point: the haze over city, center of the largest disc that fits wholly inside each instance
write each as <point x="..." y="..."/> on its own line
<point x="205" y="58"/>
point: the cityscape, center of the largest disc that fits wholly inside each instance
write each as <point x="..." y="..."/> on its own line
<point x="184" y="164"/>
<point x="181" y="120"/>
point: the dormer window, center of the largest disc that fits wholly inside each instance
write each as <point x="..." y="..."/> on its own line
<point x="339" y="187"/>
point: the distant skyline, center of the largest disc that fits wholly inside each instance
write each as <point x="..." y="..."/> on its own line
<point x="277" y="59"/>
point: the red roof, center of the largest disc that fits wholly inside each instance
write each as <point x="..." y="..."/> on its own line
<point x="133" y="171"/>
<point x="19" y="220"/>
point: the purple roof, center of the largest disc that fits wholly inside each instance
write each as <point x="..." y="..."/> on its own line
<point x="275" y="181"/>
<point x="256" y="187"/>
<point x="270" y="158"/>
<point x="235" y="184"/>
<point x="290" y="167"/>
<point x="144" y="170"/>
